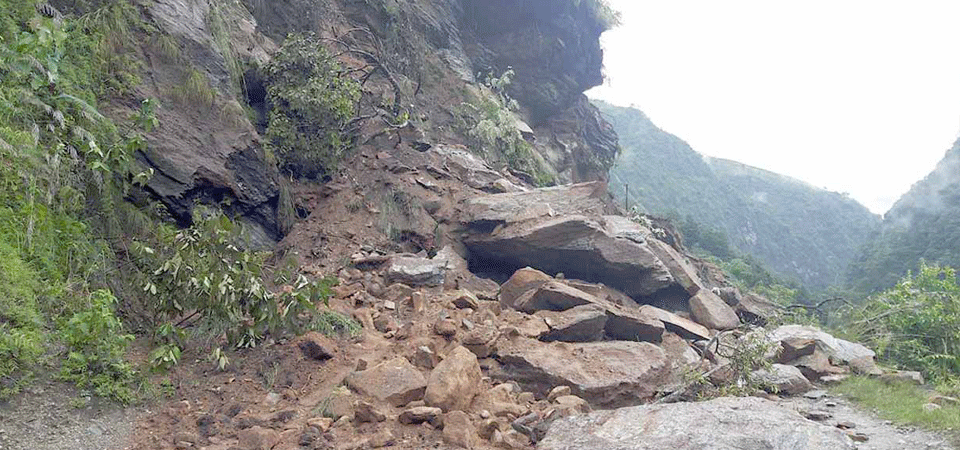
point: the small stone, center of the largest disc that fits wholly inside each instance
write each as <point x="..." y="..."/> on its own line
<point x="258" y="438"/>
<point x="931" y="407"/>
<point x="185" y="438"/>
<point x="526" y="397"/>
<point x="389" y="304"/>
<point x="558" y="391"/>
<point x="830" y="404"/>
<point x="321" y="423"/>
<point x="468" y="324"/>
<point x="420" y="414"/>
<point x="575" y="403"/>
<point x="484" y="414"/>
<point x="362" y="364"/>
<point x="445" y="328"/>
<point x="272" y="399"/>
<point x="458" y="430"/>
<point x="417" y="301"/>
<point x="382" y="438"/>
<point x="367" y="413"/>
<point x="466" y="300"/>
<point x="833" y="379"/>
<point x="425" y="358"/>
<point x="386" y="324"/>
<point x="316" y="346"/>
<point x="859" y="437"/>
<point x="455" y="381"/>
<point x="817" y="415"/>
<point x="846" y="425"/>
<point x="815" y="395"/>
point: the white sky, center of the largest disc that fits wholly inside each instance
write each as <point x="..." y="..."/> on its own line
<point x="857" y="96"/>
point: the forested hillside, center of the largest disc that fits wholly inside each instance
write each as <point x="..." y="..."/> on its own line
<point x="924" y="224"/>
<point x="798" y="230"/>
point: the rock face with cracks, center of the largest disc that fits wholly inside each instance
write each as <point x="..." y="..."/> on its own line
<point x="723" y="424"/>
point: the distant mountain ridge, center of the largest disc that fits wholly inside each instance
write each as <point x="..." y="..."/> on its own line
<point x="798" y="230"/>
<point x="924" y="224"/>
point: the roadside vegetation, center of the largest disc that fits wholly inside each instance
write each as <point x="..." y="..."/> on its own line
<point x="82" y="270"/>
<point x="902" y="403"/>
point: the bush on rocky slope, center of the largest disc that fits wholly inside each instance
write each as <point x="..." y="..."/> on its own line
<point x="916" y="324"/>
<point x="314" y="101"/>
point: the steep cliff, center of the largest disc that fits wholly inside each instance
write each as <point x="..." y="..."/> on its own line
<point x="796" y="229"/>
<point x="924" y="224"/>
<point x="427" y="68"/>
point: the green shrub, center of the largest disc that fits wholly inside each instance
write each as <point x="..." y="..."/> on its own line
<point x="19" y="350"/>
<point x="201" y="272"/>
<point x="314" y="101"/>
<point x="915" y="325"/>
<point x="96" y="346"/>
<point x="334" y="324"/>
<point x="19" y="285"/>
<point x="490" y="123"/>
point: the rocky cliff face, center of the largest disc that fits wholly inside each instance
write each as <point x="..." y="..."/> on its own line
<point x="432" y="51"/>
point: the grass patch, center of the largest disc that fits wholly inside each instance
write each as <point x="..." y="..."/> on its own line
<point x="901" y="403"/>
<point x="334" y="324"/>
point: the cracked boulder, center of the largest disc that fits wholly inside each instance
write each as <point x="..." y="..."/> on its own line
<point x="565" y="230"/>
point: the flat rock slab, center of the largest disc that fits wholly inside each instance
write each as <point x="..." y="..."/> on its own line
<point x="416" y="271"/>
<point x="606" y="374"/>
<point x="627" y="322"/>
<point x="723" y="424"/>
<point x="684" y="327"/>
<point x="581" y="324"/>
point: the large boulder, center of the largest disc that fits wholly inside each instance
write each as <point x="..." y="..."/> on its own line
<point x="684" y="327"/>
<point x="727" y="423"/>
<point x="553" y="296"/>
<point x="606" y="374"/>
<point x="838" y="351"/>
<point x="395" y="381"/>
<point x="581" y="324"/>
<point x="679" y="267"/>
<point x="563" y="230"/>
<point x="709" y="310"/>
<point x="454" y="382"/>
<point x="755" y="308"/>
<point x="521" y="282"/>
<point x="625" y="321"/>
<point x="784" y="379"/>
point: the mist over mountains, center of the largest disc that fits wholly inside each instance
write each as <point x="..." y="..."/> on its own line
<point x="924" y="224"/>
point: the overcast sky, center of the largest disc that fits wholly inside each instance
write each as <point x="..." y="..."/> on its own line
<point x="857" y="96"/>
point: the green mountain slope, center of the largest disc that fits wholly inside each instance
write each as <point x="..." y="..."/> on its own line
<point x="924" y="224"/>
<point x="798" y="230"/>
